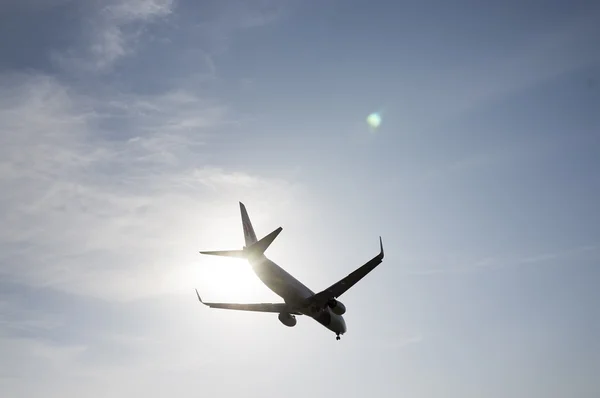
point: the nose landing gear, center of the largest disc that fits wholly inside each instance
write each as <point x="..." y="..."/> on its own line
<point x="337" y="337"/>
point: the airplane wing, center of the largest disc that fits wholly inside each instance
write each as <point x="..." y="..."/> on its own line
<point x="339" y="288"/>
<point x="256" y="307"/>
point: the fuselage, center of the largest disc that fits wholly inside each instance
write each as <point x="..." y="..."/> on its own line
<point x="292" y="291"/>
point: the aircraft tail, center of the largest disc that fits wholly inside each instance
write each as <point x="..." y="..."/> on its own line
<point x="249" y="235"/>
<point x="253" y="246"/>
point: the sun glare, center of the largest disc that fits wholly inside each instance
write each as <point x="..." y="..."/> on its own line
<point x="225" y="280"/>
<point x="374" y="120"/>
<point x="220" y="279"/>
<point x="231" y="280"/>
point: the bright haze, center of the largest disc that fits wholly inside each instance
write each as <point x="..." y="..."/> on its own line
<point x="465" y="133"/>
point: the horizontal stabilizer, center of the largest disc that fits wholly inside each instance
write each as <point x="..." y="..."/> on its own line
<point x="227" y="253"/>
<point x="262" y="245"/>
<point x="256" y="249"/>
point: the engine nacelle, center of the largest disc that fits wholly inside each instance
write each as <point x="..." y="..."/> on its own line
<point x="336" y="307"/>
<point x="287" y="319"/>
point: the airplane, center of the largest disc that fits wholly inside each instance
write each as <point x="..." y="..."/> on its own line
<point x="324" y="307"/>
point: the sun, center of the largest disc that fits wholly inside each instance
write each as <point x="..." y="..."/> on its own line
<point x="217" y="278"/>
<point x="220" y="279"/>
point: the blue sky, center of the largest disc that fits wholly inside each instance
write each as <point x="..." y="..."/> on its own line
<point x="130" y="129"/>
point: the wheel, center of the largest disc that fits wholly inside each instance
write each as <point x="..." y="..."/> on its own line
<point x="337" y="337"/>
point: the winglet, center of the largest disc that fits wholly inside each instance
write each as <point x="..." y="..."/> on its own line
<point x="381" y="247"/>
<point x="198" y="294"/>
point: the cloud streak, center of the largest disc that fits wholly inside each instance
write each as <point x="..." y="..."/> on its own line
<point x="494" y="263"/>
<point x="114" y="30"/>
<point x="105" y="197"/>
<point x="91" y="185"/>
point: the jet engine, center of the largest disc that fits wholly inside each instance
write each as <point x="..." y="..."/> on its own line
<point x="287" y="319"/>
<point x="336" y="307"/>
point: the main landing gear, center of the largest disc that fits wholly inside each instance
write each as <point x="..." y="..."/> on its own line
<point x="337" y="337"/>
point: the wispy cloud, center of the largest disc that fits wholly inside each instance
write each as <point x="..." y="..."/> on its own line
<point x="108" y="190"/>
<point x="539" y="57"/>
<point x="34" y="5"/>
<point x="235" y="17"/>
<point x="113" y="30"/>
<point x="255" y="13"/>
<point x="112" y="348"/>
<point x="395" y="341"/>
<point x="117" y="28"/>
<point x="104" y="184"/>
<point x="400" y="341"/>
<point x="567" y="256"/>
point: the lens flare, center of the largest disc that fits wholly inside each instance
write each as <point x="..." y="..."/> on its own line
<point x="374" y="120"/>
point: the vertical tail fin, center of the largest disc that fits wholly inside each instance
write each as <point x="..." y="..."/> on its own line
<point x="249" y="235"/>
<point x="254" y="247"/>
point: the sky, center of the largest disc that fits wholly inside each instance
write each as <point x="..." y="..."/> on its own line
<point x="130" y="129"/>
